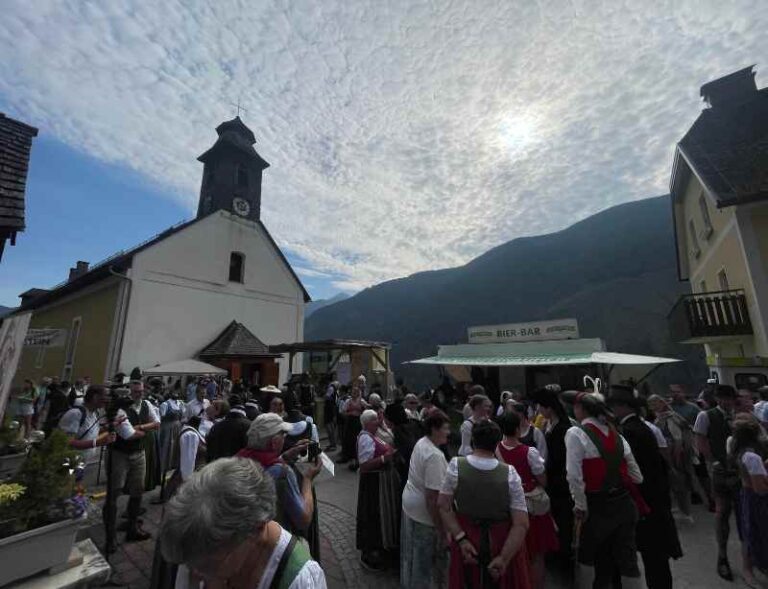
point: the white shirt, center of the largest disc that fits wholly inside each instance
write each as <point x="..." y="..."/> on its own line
<point x="70" y="425"/>
<point x="578" y="446"/>
<point x="753" y="463"/>
<point x="425" y="472"/>
<point x="661" y="441"/>
<point x="535" y="461"/>
<point x="310" y="576"/>
<point x="125" y="430"/>
<point x="366" y="448"/>
<point x="196" y="408"/>
<point x="701" y="426"/>
<point x="539" y="439"/>
<point x="516" y="493"/>
<point x="189" y="442"/>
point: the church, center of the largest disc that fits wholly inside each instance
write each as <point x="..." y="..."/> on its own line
<point x="216" y="288"/>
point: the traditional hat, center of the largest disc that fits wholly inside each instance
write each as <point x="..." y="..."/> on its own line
<point x="272" y="389"/>
<point x="546" y="397"/>
<point x="620" y="394"/>
<point x="593" y="401"/>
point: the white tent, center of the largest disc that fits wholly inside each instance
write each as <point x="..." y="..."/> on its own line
<point x="184" y="367"/>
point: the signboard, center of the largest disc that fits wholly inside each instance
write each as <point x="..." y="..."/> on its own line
<point x="47" y="338"/>
<point x="536" y="331"/>
<point x="12" y="334"/>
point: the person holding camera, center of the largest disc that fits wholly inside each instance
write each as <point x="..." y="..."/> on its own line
<point x="295" y="501"/>
<point x="135" y="418"/>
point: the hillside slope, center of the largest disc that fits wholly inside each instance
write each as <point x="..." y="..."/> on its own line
<point x="615" y="272"/>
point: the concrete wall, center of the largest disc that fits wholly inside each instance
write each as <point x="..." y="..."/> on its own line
<point x="181" y="298"/>
<point x="95" y="305"/>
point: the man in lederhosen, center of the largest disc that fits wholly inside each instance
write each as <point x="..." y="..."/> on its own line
<point x="657" y="538"/>
<point x="601" y="471"/>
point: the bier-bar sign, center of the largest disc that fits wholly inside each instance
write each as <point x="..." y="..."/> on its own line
<point x="536" y="331"/>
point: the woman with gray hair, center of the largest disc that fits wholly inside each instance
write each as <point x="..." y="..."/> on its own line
<point x="220" y="525"/>
<point x="378" y="495"/>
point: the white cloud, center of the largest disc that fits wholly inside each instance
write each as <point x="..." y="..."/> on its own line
<point x="402" y="136"/>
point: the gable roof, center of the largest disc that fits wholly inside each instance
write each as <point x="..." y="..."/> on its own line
<point x="727" y="146"/>
<point x="236" y="340"/>
<point x="15" y="146"/>
<point x="120" y="261"/>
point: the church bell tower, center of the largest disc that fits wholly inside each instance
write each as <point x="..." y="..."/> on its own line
<point x="232" y="173"/>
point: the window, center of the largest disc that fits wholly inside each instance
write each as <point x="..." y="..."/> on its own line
<point x="69" y="356"/>
<point x="708" y="230"/>
<point x="242" y="177"/>
<point x="236" y="267"/>
<point x="695" y="249"/>
<point x="722" y="279"/>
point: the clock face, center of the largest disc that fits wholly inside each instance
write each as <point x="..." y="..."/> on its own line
<point x="241" y="206"/>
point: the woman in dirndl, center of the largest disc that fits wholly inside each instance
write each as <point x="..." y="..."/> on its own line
<point x="483" y="508"/>
<point x="171" y="414"/>
<point x="542" y="533"/>
<point x="749" y="452"/>
<point x="378" y="495"/>
<point x="353" y="409"/>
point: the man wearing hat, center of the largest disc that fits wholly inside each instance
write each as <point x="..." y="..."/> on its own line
<point x="295" y="504"/>
<point x="657" y="538"/>
<point x="601" y="470"/>
<point x="712" y="429"/>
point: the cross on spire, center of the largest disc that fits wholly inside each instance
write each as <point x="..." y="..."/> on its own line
<point x="237" y="105"/>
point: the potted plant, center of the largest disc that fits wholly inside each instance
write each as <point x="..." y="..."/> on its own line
<point x="13" y="448"/>
<point x="40" y="510"/>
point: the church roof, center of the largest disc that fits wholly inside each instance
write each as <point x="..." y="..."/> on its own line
<point x="236" y="340"/>
<point x="15" y="146"/>
<point x="235" y="135"/>
<point x="121" y="261"/>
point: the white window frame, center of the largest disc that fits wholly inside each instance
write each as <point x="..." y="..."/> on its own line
<point x="71" y="349"/>
<point x="695" y="249"/>
<point x="708" y="230"/>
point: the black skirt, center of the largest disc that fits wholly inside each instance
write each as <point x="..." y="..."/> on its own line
<point x="378" y="510"/>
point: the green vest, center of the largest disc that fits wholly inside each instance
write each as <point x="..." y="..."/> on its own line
<point x="482" y="494"/>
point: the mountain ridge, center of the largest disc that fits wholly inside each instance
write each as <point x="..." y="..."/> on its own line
<point x="614" y="271"/>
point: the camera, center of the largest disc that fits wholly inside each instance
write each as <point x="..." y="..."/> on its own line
<point x="313" y="451"/>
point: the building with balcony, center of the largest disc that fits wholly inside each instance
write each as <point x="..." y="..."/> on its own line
<point x="719" y="193"/>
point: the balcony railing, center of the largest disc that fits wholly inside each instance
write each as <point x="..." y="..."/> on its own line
<point x="710" y="315"/>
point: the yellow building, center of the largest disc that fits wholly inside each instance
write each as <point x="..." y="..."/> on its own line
<point x="719" y="192"/>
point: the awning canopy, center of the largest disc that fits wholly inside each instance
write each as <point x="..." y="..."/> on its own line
<point x="545" y="360"/>
<point x="184" y="367"/>
<point x="327" y="345"/>
<point x="549" y="353"/>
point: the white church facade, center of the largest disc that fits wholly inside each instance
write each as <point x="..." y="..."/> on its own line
<point x="217" y="285"/>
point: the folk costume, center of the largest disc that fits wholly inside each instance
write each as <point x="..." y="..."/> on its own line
<point x="171" y="414"/>
<point x="378" y="499"/>
<point x="657" y="539"/>
<point x="485" y="491"/>
<point x="602" y="473"/>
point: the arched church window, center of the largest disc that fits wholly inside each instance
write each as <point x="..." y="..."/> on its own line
<point x="242" y="177"/>
<point x="236" y="267"/>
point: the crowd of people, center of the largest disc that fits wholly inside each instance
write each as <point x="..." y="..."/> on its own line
<point x="454" y="489"/>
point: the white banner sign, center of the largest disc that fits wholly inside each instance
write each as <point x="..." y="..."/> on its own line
<point x="536" y="331"/>
<point x="12" y="334"/>
<point x="47" y="338"/>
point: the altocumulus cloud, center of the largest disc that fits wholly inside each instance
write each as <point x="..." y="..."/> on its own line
<point x="403" y="136"/>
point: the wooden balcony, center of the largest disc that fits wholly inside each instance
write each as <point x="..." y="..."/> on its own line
<point x="697" y="318"/>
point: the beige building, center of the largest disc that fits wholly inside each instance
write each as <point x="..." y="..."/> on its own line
<point x="719" y="192"/>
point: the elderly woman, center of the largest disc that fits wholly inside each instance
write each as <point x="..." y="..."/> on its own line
<point x="378" y="496"/>
<point x="422" y="554"/>
<point x="353" y="408"/>
<point x="490" y="520"/>
<point x="220" y="525"/>
<point x="384" y="433"/>
<point x="411" y="405"/>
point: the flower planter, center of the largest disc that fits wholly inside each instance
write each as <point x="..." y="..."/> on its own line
<point x="36" y="550"/>
<point x="10" y="464"/>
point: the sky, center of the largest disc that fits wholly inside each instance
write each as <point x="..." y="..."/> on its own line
<point x="402" y="136"/>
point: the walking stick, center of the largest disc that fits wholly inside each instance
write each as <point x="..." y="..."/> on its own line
<point x="575" y="543"/>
